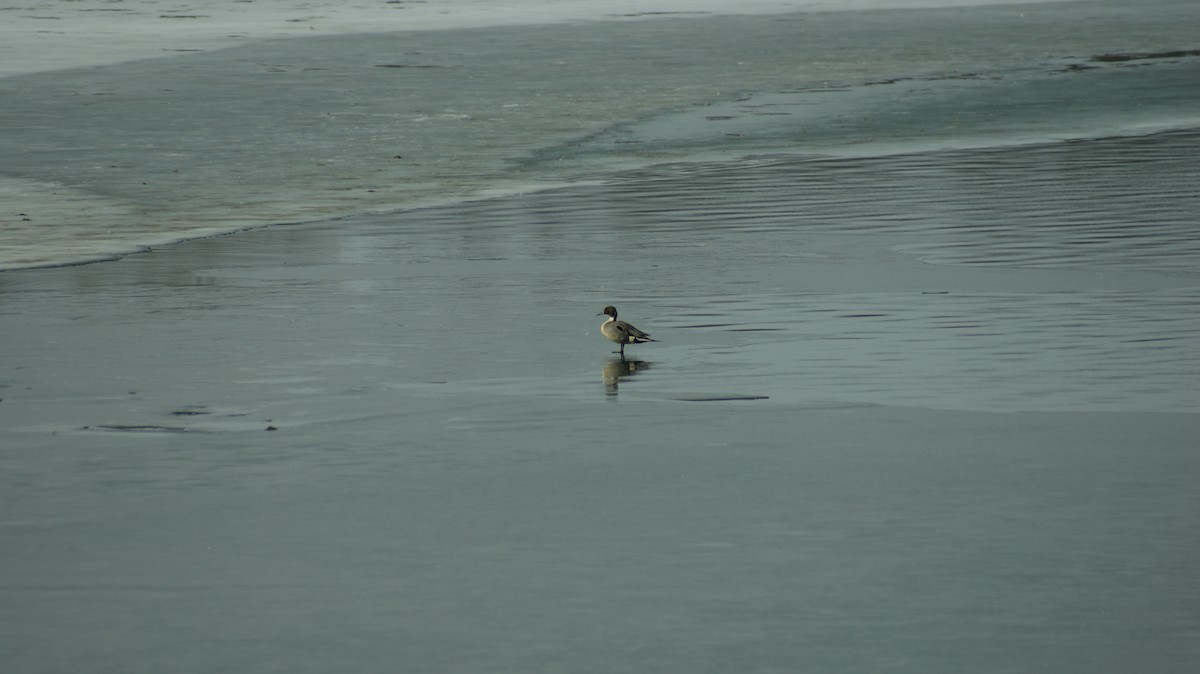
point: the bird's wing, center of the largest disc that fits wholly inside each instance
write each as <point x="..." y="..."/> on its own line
<point x="632" y="331"/>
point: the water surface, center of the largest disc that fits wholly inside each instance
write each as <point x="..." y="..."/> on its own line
<point x="924" y="397"/>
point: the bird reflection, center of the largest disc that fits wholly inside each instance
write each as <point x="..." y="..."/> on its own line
<point x="617" y="369"/>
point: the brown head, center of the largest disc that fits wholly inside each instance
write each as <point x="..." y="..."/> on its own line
<point x="610" y="310"/>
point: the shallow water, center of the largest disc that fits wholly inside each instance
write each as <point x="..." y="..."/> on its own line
<point x="403" y="437"/>
<point x="1082" y="295"/>
<point x="918" y="404"/>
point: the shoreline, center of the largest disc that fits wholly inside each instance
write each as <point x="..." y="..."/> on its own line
<point x="115" y="159"/>
<point x="616" y="174"/>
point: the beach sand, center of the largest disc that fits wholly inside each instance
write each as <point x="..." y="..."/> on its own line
<point x="918" y="404"/>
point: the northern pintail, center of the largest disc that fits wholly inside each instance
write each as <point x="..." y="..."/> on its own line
<point x="621" y="332"/>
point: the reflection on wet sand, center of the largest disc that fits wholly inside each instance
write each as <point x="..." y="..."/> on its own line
<point x="617" y="368"/>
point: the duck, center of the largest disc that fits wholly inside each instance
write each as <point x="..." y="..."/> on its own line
<point x="621" y="332"/>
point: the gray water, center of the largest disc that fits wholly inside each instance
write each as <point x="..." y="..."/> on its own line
<point x="921" y="402"/>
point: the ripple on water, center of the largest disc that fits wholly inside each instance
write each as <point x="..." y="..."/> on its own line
<point x="995" y="351"/>
<point x="1127" y="203"/>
